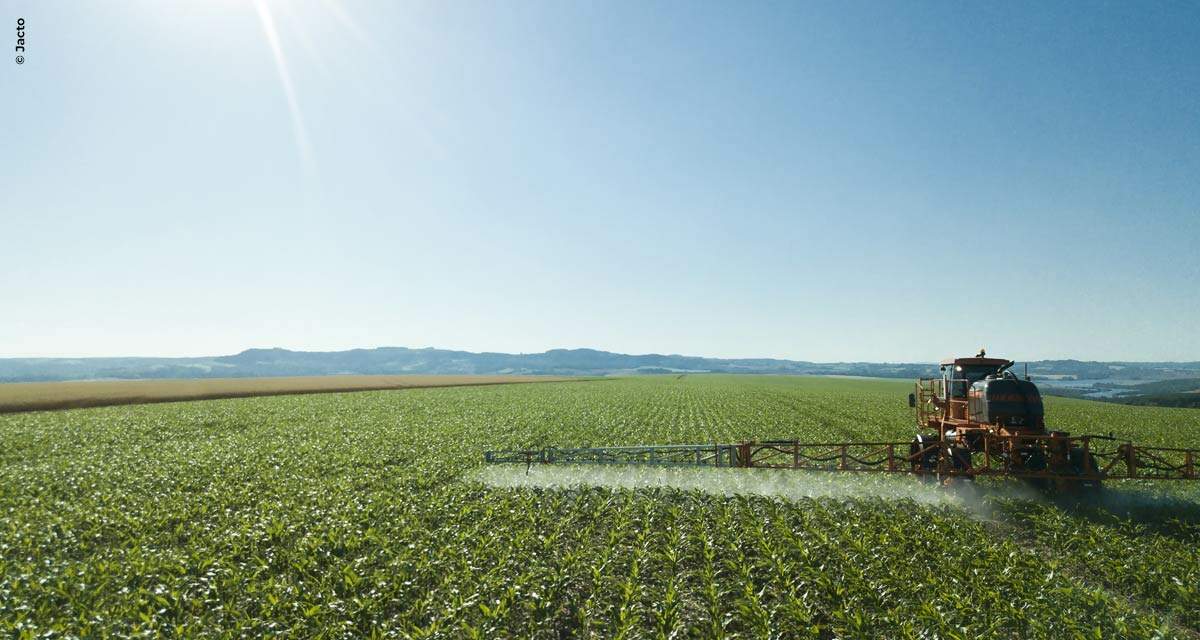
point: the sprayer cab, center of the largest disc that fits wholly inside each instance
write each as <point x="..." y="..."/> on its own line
<point x="958" y="377"/>
<point x="977" y="393"/>
<point x="975" y="390"/>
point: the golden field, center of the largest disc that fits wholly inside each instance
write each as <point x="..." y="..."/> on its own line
<point x="37" y="396"/>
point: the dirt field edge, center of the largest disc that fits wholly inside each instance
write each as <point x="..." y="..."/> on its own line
<point x="22" y="397"/>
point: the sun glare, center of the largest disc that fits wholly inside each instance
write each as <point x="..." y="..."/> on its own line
<point x="270" y="31"/>
<point x="271" y="34"/>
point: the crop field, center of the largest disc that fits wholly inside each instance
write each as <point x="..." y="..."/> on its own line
<point x="32" y="396"/>
<point x="371" y="515"/>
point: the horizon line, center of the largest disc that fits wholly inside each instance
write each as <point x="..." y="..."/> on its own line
<point x="529" y="353"/>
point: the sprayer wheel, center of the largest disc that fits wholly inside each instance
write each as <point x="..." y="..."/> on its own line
<point x="961" y="458"/>
<point x="923" y="462"/>
<point x="1081" y="465"/>
<point x="1034" y="460"/>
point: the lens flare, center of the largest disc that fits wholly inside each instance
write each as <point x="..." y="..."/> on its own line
<point x="285" y="79"/>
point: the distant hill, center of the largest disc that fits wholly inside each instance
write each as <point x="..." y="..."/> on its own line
<point x="1175" y="392"/>
<point x="402" y="360"/>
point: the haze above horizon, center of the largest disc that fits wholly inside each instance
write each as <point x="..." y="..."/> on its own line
<point x="819" y="182"/>
<point x="244" y="352"/>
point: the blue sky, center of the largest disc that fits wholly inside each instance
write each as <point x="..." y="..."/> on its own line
<point x="822" y="181"/>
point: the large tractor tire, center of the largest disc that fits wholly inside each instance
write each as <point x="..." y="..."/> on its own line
<point x="961" y="458"/>
<point x="924" y="461"/>
<point x="1033" y="459"/>
<point x="1084" y="465"/>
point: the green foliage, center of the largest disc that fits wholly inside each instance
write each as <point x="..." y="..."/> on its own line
<point x="356" y="515"/>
